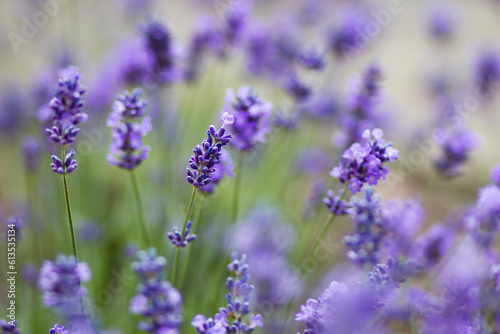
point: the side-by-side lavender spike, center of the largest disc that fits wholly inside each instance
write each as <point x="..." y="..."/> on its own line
<point x="9" y="327"/>
<point x="179" y="239"/>
<point x="127" y="149"/>
<point x="208" y="154"/>
<point x="60" y="282"/>
<point x="251" y="117"/>
<point x="238" y="304"/>
<point x="156" y="299"/>
<point x="364" y="163"/>
<point x="336" y="204"/>
<point x="58" y="330"/>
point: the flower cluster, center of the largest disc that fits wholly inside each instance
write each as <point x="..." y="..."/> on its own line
<point x="8" y="328"/>
<point x="238" y="304"/>
<point x="61" y="285"/>
<point x="252" y="116"/>
<point x="67" y="113"/>
<point x="369" y="229"/>
<point x="312" y="59"/>
<point x="181" y="240"/>
<point x="364" y="163"/>
<point x="457" y="143"/>
<point x="67" y="166"/>
<point x="206" y="156"/>
<point x="335" y="204"/>
<point x="127" y="149"/>
<point x="58" y="330"/>
<point x="156" y="299"/>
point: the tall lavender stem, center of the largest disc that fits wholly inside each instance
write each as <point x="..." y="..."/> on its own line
<point x="140" y="212"/>
<point x="237" y="183"/>
<point x="178" y="251"/>
<point x="68" y="208"/>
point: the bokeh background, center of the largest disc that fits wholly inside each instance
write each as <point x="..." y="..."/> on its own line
<point x="278" y="179"/>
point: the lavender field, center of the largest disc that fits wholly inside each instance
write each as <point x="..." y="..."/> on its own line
<point x="249" y="166"/>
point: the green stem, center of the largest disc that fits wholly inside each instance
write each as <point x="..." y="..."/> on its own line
<point x="237" y="183"/>
<point x="68" y="207"/>
<point x="140" y="212"/>
<point x="178" y="251"/>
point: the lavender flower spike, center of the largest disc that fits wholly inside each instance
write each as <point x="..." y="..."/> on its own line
<point x="58" y="330"/>
<point x="364" y="163"/>
<point x="179" y="239"/>
<point x="127" y="150"/>
<point x="66" y="167"/>
<point x="206" y="156"/>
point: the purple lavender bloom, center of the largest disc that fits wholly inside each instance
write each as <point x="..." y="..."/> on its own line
<point x="156" y="299"/>
<point x="236" y="18"/>
<point x="488" y="71"/>
<point x="127" y="150"/>
<point x="342" y="308"/>
<point x="60" y="283"/>
<point x="297" y="89"/>
<point x="263" y="234"/>
<point x="206" y="156"/>
<point x="432" y="246"/>
<point x="13" y="229"/>
<point x="251" y="118"/>
<point x="12" y="110"/>
<point x="312" y="59"/>
<point x="9" y="327"/>
<point x="31" y="154"/>
<point x="457" y="143"/>
<point x="225" y="167"/>
<point x="483" y="220"/>
<point x="364" y="164"/>
<point x="344" y="39"/>
<point x="160" y="47"/>
<point x="335" y="204"/>
<point x="238" y="304"/>
<point x="64" y="167"/>
<point x="495" y="175"/>
<point x="30" y="275"/>
<point x="67" y="107"/>
<point x="181" y="240"/>
<point x="366" y="213"/>
<point x="58" y="330"/>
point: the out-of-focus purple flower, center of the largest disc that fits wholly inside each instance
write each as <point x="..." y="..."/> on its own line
<point x="495" y="175"/>
<point x="441" y="20"/>
<point x="366" y="213"/>
<point x="364" y="163"/>
<point x="30" y="275"/>
<point x="9" y="327"/>
<point x="179" y="239"/>
<point x="342" y="308"/>
<point x="314" y="197"/>
<point x="223" y="168"/>
<point x="362" y="102"/>
<point x="312" y="59"/>
<point x="238" y="304"/>
<point x="335" y="204"/>
<point x="457" y="143"/>
<point x="297" y="89"/>
<point x="58" y="330"/>
<point x="13" y="230"/>
<point x="483" y="220"/>
<point x="64" y="167"/>
<point x="488" y="71"/>
<point x="251" y="117"/>
<point x="61" y="285"/>
<point x="206" y="156"/>
<point x="236" y="18"/>
<point x="285" y="122"/>
<point x="432" y="246"/>
<point x="263" y="234"/>
<point x="156" y="299"/>
<point x="127" y="150"/>
<point x="12" y="110"/>
<point x="90" y="231"/>
<point x="344" y="38"/>
<point x="161" y="50"/>
<point x="31" y="153"/>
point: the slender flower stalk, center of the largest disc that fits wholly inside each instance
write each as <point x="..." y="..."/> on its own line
<point x="237" y="183"/>
<point x="68" y="210"/>
<point x="140" y="212"/>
